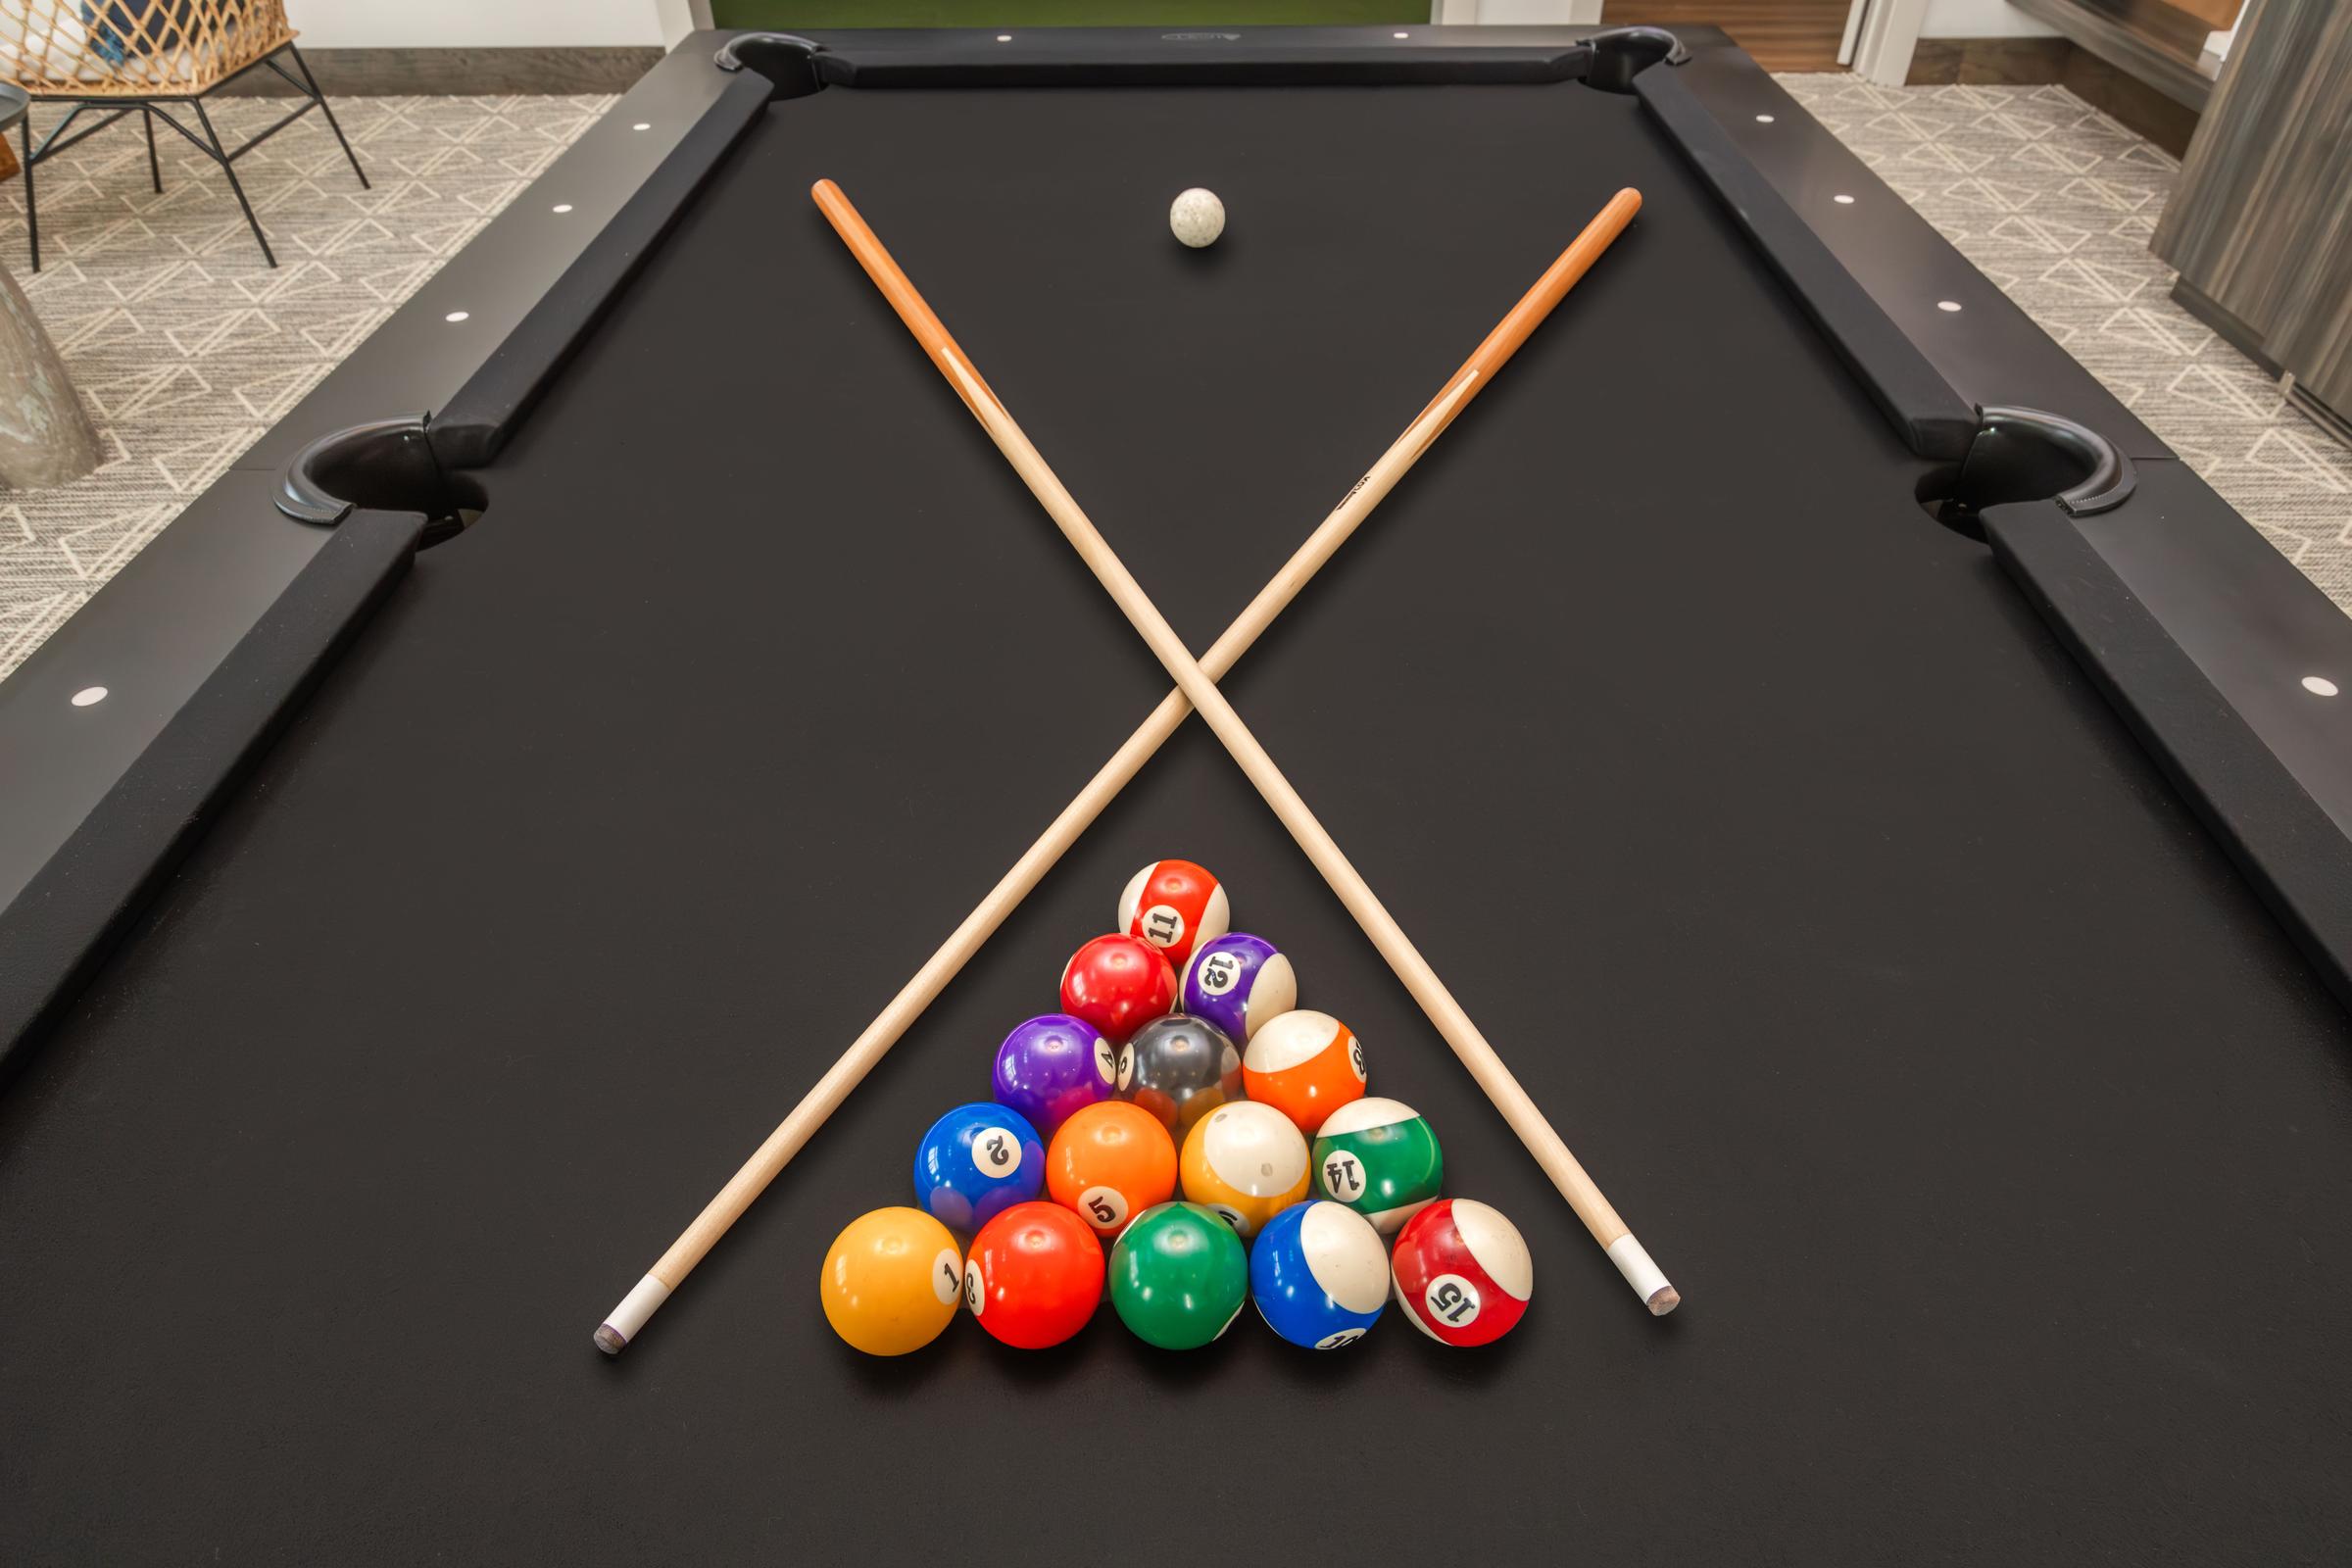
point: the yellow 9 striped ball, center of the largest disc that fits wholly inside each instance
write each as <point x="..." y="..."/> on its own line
<point x="1246" y="1162"/>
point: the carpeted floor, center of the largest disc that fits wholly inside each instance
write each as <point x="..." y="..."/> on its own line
<point x="2055" y="202"/>
<point x="186" y="346"/>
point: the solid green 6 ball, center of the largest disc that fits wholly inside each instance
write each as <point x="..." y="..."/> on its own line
<point x="1179" y="1276"/>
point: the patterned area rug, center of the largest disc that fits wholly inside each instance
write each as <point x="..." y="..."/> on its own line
<point x="2055" y="202"/>
<point x="186" y="346"/>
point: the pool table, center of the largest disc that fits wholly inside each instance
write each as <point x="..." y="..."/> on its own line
<point x="1883" y="807"/>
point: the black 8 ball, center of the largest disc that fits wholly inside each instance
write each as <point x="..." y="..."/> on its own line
<point x="1178" y="1069"/>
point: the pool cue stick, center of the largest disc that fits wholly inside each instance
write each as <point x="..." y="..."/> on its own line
<point x="943" y="965"/>
<point x="1200" y="689"/>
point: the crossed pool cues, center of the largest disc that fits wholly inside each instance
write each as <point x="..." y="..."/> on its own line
<point x="1196" y="691"/>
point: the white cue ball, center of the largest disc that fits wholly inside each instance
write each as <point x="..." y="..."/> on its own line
<point x="1196" y="217"/>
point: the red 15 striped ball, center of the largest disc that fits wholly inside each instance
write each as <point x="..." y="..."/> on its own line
<point x="1462" y="1273"/>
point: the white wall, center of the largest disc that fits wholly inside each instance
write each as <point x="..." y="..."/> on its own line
<point x="1981" y="18"/>
<point x="475" y="24"/>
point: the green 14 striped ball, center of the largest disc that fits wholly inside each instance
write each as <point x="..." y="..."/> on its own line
<point x="1380" y="1159"/>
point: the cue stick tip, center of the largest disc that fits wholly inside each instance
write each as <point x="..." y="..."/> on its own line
<point x="621" y="1326"/>
<point x="1643" y="1273"/>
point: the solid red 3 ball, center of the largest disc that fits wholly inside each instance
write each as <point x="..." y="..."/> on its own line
<point x="1118" y="984"/>
<point x="1034" y="1275"/>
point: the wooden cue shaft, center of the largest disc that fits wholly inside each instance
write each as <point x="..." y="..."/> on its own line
<point x="1453" y="1023"/>
<point x="1367" y="493"/>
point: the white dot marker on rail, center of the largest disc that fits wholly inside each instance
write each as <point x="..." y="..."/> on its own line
<point x="1948" y="305"/>
<point x="1400" y="35"/>
<point x="2316" y="685"/>
<point x="1763" y="120"/>
<point x="91" y="695"/>
<point x="1004" y="38"/>
<point x="1842" y="201"/>
<point x="643" y="125"/>
<point x="456" y="315"/>
<point x="562" y="207"/>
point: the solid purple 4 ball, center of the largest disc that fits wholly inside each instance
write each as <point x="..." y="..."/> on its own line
<point x="1050" y="1068"/>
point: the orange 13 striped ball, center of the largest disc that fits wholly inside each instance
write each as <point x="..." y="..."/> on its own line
<point x="1305" y="1064"/>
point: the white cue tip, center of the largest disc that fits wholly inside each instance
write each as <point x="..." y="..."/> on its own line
<point x="1648" y="1281"/>
<point x="621" y="1324"/>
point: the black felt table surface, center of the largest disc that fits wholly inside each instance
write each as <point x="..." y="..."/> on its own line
<point x="2000" y="1143"/>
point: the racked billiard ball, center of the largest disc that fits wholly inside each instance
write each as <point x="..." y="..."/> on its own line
<point x="1034" y="1276"/>
<point x="1048" y="1068"/>
<point x="892" y="1281"/>
<point x="1245" y="1162"/>
<point x="1179" y="1068"/>
<point x="1461" y="1272"/>
<point x="977" y="1161"/>
<point x="1117" y="982"/>
<point x="1175" y="906"/>
<point x="1319" y="1273"/>
<point x="1305" y="1064"/>
<point x="1380" y="1159"/>
<point x="1178" y="1276"/>
<point x="1237" y="982"/>
<point x="1109" y="1163"/>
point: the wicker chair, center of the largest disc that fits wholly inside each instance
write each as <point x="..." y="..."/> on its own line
<point x="143" y="54"/>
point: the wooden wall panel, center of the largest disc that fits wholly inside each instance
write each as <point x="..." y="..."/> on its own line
<point x="2262" y="220"/>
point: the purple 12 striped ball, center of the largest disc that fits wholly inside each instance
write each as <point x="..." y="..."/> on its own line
<point x="1238" y="982"/>
<point x="1050" y="1068"/>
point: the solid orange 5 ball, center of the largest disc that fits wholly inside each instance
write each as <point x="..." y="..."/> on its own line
<point x="1109" y="1163"/>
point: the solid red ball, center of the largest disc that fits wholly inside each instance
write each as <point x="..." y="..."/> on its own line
<point x="1118" y="984"/>
<point x="1034" y="1275"/>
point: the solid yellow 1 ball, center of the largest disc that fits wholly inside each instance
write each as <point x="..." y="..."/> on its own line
<point x="892" y="1281"/>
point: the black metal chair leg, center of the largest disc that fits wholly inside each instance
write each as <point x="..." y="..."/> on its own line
<point x="155" y="170"/>
<point x="33" y="211"/>
<point x="325" y="108"/>
<point x="221" y="154"/>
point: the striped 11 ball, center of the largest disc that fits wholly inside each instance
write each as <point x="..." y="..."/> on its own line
<point x="1319" y="1274"/>
<point x="1462" y="1273"/>
<point x="1305" y="1064"/>
<point x="1175" y="906"/>
<point x="1245" y="1162"/>
<point x="1380" y="1159"/>
<point x="975" y="1162"/>
<point x="1237" y="982"/>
